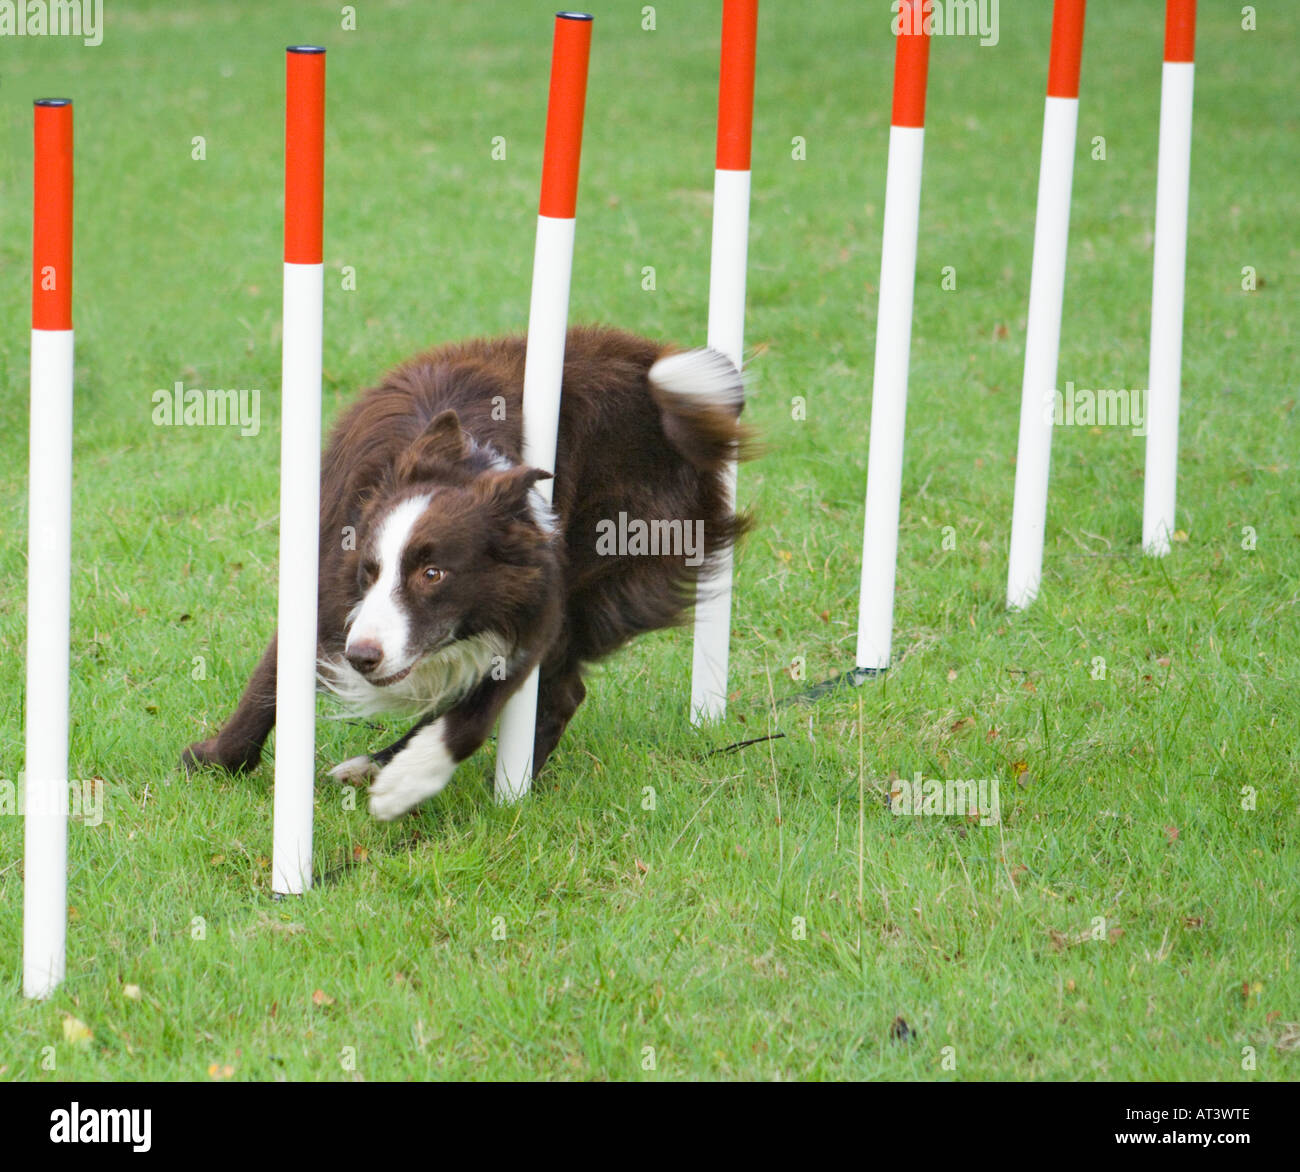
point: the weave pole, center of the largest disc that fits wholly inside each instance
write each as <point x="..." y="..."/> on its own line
<point x="893" y="338"/>
<point x="1173" y="183"/>
<point x="300" y="436"/>
<point x="49" y="558"/>
<point x="726" y="333"/>
<point x="548" y="319"/>
<point x="1046" y="302"/>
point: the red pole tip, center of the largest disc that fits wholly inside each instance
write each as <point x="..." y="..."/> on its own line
<point x="1067" y="49"/>
<point x="1180" y="30"/>
<point x="736" y="84"/>
<point x="52" y="216"/>
<point x="564" y="114"/>
<point x="304" y="154"/>
<point x="912" y="29"/>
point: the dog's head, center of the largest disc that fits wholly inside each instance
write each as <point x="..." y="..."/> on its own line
<point x="456" y="544"/>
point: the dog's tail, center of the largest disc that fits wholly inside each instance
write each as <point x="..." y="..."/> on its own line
<point x="700" y="394"/>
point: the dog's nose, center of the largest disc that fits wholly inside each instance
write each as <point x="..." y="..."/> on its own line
<point x="365" y="656"/>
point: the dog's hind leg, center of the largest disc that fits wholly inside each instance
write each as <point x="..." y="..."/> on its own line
<point x="238" y="746"/>
<point x="559" y="694"/>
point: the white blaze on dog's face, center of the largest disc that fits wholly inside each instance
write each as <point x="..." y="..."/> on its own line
<point x="442" y="572"/>
<point x="382" y="622"/>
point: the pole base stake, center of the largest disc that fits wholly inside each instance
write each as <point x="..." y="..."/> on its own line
<point x="853" y="678"/>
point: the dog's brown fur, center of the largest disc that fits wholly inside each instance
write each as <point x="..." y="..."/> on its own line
<point x="439" y="423"/>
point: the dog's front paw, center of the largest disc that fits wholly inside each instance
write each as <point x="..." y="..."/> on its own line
<point x="418" y="772"/>
<point x="354" y="769"/>
<point x="398" y="789"/>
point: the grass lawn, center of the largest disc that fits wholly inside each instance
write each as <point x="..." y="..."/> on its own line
<point x="654" y="911"/>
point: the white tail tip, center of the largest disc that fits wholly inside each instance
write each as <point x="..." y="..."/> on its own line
<point x="706" y="374"/>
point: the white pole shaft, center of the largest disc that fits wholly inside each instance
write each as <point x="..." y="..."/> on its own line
<point x="1173" y="182"/>
<point x="49" y="573"/>
<point x="889" y="396"/>
<point x="548" y="317"/>
<point x="295" y="692"/>
<point x="727" y="268"/>
<point x="1042" y="349"/>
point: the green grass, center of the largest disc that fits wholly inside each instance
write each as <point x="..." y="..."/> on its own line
<point x="767" y="917"/>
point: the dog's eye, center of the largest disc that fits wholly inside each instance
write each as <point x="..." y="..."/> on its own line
<point x="432" y="574"/>
<point x="368" y="571"/>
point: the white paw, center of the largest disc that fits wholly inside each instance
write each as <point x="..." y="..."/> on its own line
<point x="354" y="769"/>
<point x="418" y="772"/>
<point x="401" y="786"/>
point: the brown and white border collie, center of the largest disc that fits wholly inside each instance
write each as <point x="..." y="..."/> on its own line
<point x="445" y="577"/>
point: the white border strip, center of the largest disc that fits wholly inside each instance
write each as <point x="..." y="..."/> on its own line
<point x="295" y="682"/>
<point x="548" y="317"/>
<point x="1042" y="349"/>
<point x="727" y="270"/>
<point x="1173" y="184"/>
<point x="889" y="396"/>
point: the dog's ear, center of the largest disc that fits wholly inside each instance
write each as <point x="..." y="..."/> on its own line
<point x="518" y="535"/>
<point x="509" y="490"/>
<point x="440" y="445"/>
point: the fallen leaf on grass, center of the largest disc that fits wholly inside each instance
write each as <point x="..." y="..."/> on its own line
<point x="768" y="965"/>
<point x="900" y="1031"/>
<point x="221" y="1070"/>
<point x="289" y="927"/>
<point x="320" y="997"/>
<point x="1064" y="940"/>
<point x="77" y="1032"/>
<point x="132" y="992"/>
<point x="1289" y="1038"/>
